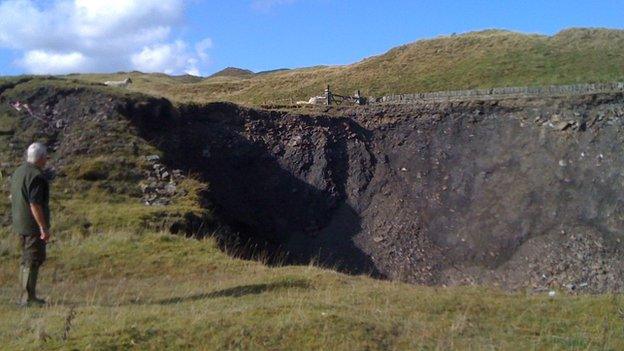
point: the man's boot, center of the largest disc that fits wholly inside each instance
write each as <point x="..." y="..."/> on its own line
<point x="29" y="286"/>
<point x="23" y="277"/>
<point x="32" y="286"/>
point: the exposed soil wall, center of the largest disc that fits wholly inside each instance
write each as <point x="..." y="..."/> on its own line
<point x="521" y="193"/>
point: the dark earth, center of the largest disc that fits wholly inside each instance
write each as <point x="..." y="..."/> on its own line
<point x="523" y="193"/>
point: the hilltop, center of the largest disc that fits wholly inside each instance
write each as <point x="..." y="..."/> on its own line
<point x="485" y="59"/>
<point x="233" y="72"/>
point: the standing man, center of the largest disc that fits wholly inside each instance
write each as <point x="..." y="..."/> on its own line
<point x="30" y="195"/>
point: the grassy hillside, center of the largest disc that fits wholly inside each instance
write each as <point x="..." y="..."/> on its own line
<point x="484" y="59"/>
<point x="233" y="72"/>
<point x="157" y="291"/>
<point x="98" y="159"/>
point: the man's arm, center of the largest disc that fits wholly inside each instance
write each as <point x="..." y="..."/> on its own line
<point x="37" y="212"/>
<point x="36" y="198"/>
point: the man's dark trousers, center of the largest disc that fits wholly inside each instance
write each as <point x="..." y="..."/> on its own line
<point x="33" y="256"/>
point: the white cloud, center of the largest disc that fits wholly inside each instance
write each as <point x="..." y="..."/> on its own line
<point x="43" y="62"/>
<point x="95" y="35"/>
<point x="201" y="48"/>
<point x="167" y="58"/>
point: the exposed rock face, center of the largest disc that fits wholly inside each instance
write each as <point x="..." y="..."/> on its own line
<point x="159" y="185"/>
<point x="522" y="193"/>
<point x="495" y="192"/>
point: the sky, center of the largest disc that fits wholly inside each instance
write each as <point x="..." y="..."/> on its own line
<point x="202" y="37"/>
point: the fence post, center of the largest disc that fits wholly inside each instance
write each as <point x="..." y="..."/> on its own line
<point x="358" y="97"/>
<point x="328" y="95"/>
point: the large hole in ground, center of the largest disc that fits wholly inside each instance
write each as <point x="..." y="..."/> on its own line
<point x="521" y="193"/>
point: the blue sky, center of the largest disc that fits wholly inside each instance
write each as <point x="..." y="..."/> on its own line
<point x="202" y="37"/>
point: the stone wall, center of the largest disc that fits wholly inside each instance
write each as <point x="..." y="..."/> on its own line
<point x="501" y="93"/>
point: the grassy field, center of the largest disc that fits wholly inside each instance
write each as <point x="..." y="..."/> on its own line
<point x="484" y="59"/>
<point x="120" y="290"/>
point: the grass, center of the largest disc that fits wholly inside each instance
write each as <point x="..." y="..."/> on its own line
<point x="82" y="208"/>
<point x="7" y="125"/>
<point x="157" y="291"/>
<point x="97" y="188"/>
<point x="485" y="59"/>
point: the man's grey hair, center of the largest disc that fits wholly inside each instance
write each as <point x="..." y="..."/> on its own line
<point x="35" y="152"/>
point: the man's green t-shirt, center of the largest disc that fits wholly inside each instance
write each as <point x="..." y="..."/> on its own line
<point x="28" y="186"/>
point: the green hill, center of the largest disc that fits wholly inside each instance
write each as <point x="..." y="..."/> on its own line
<point x="233" y="72"/>
<point x="485" y="59"/>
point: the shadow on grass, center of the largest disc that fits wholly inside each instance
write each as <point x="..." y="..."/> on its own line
<point x="237" y="291"/>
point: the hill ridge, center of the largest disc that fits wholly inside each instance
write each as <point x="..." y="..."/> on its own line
<point x="473" y="60"/>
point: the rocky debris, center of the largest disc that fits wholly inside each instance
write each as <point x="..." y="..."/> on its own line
<point x="152" y="158"/>
<point x="578" y="261"/>
<point x="19" y="107"/>
<point x="438" y="193"/>
<point x="206" y="152"/>
<point x="50" y="119"/>
<point x="159" y="186"/>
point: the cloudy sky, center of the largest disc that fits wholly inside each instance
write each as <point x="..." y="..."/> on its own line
<point x="201" y="37"/>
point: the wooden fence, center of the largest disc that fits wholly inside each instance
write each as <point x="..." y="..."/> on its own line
<point x="499" y="93"/>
